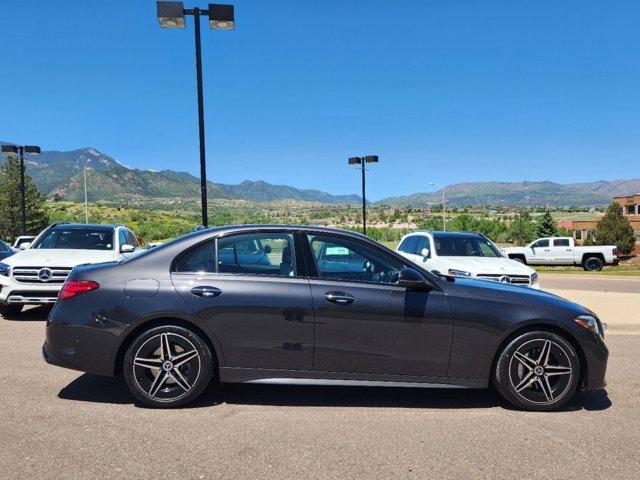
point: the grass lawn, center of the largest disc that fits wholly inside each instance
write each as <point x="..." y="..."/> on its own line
<point x="619" y="270"/>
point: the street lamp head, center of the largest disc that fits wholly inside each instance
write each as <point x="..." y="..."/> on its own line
<point x="32" y="149"/>
<point x="171" y="14"/>
<point x="355" y="160"/>
<point x="10" y="149"/>
<point x="371" y="159"/>
<point x="221" y="16"/>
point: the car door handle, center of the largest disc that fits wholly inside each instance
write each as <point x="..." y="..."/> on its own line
<point x="340" y="298"/>
<point x="206" y="292"/>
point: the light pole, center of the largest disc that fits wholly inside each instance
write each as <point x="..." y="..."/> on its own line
<point x="86" y="205"/>
<point x="362" y="161"/>
<point x="221" y="17"/>
<point x="21" y="150"/>
<point x="444" y="216"/>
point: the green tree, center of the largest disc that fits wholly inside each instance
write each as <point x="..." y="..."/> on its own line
<point x="546" y="227"/>
<point x="10" y="213"/>
<point x="614" y="229"/>
<point x="522" y="230"/>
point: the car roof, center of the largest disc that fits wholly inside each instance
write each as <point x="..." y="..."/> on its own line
<point x="81" y="226"/>
<point x="260" y="227"/>
<point x="448" y="232"/>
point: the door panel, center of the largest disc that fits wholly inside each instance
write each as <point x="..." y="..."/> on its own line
<point x="261" y="322"/>
<point x="384" y="330"/>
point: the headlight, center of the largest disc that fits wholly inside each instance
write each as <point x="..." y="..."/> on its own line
<point x="458" y="273"/>
<point x="534" y="278"/>
<point x="5" y="270"/>
<point x="589" y="322"/>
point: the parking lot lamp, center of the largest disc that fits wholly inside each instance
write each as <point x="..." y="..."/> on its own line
<point x="361" y="161"/>
<point x="444" y="216"/>
<point x="221" y="17"/>
<point x="21" y="150"/>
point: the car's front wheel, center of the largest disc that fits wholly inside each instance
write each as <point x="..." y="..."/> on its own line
<point x="168" y="366"/>
<point x="538" y="370"/>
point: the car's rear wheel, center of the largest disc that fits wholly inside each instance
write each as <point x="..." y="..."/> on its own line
<point x="538" y="370"/>
<point x="593" y="264"/>
<point x="168" y="366"/>
<point x="11" y="309"/>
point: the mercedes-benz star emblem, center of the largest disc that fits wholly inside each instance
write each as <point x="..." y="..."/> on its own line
<point x="45" y="274"/>
<point x="505" y="279"/>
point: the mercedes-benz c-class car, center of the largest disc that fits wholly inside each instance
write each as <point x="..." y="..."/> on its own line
<point x="307" y="305"/>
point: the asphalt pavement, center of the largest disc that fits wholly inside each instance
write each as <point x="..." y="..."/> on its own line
<point x="62" y="424"/>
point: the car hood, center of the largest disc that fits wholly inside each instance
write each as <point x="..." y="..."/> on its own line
<point x="58" y="257"/>
<point x="486" y="265"/>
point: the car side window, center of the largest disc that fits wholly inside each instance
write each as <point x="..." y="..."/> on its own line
<point x="122" y="237"/>
<point x="408" y="245"/>
<point x="561" y="242"/>
<point x="131" y="238"/>
<point x="343" y="259"/>
<point x="541" y="243"/>
<point x="423" y="242"/>
<point x="3" y="247"/>
<point x="200" y="259"/>
<point x="257" y="254"/>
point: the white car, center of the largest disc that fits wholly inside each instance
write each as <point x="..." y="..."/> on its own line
<point x="562" y="251"/>
<point x="34" y="276"/>
<point x="465" y="254"/>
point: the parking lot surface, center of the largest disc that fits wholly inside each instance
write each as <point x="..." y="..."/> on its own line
<point x="59" y="424"/>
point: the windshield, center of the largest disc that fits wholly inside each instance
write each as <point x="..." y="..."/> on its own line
<point x="77" y="238"/>
<point x="451" y="245"/>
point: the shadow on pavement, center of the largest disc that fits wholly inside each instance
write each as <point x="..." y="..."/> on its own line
<point x="93" y="388"/>
<point x="30" y="314"/>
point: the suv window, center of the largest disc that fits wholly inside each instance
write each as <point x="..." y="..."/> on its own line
<point x="541" y="243"/>
<point x="3" y="247"/>
<point x="131" y="238"/>
<point x="77" y="238"/>
<point x="122" y="237"/>
<point x="409" y="244"/>
<point x="201" y="259"/>
<point x="258" y="254"/>
<point x="344" y="259"/>
<point x="561" y="242"/>
<point x="423" y="242"/>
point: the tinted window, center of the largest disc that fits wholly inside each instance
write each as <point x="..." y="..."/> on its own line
<point x="77" y="238"/>
<point x="200" y="259"/>
<point x="3" y="247"/>
<point x="131" y="238"/>
<point x="338" y="258"/>
<point x="122" y="237"/>
<point x="561" y="242"/>
<point x="258" y="254"/>
<point x="423" y="243"/>
<point x="408" y="245"/>
<point x="452" y="245"/>
<point x="542" y="243"/>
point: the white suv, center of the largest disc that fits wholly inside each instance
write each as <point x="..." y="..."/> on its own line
<point x="465" y="254"/>
<point x="34" y="276"/>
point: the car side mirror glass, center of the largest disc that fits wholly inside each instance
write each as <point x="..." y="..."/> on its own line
<point x="267" y="249"/>
<point x="126" y="248"/>
<point x="425" y="252"/>
<point x="24" y="246"/>
<point x="411" y="278"/>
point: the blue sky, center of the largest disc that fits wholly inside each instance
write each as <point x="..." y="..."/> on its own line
<point x="445" y="91"/>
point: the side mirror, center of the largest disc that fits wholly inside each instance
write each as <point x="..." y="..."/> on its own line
<point x="267" y="249"/>
<point x="425" y="252"/>
<point x="411" y="278"/>
<point x="24" y="246"/>
<point x="126" y="248"/>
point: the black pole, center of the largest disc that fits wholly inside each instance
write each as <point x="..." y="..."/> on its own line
<point x="23" y="205"/>
<point x="364" y="202"/>
<point x="203" y="159"/>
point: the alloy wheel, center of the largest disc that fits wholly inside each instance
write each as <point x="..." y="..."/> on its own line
<point x="540" y="371"/>
<point x="166" y="367"/>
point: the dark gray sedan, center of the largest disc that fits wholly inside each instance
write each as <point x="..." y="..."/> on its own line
<point x="307" y="305"/>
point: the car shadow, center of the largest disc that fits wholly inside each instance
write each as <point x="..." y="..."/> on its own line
<point x="98" y="389"/>
<point x="30" y="314"/>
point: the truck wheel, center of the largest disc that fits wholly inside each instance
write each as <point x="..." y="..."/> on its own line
<point x="9" y="310"/>
<point x="592" y="264"/>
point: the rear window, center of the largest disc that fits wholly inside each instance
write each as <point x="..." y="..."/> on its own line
<point x="561" y="242"/>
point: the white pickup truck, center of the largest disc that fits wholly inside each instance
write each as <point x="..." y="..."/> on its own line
<point x="562" y="251"/>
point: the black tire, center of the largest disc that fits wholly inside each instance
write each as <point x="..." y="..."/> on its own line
<point x="160" y="380"/>
<point x="592" y="264"/>
<point x="532" y="378"/>
<point x="10" y="310"/>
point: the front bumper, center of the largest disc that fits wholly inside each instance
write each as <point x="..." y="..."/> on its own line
<point x="596" y="355"/>
<point x="12" y="292"/>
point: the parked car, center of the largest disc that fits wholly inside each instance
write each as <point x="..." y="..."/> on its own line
<point x="6" y="250"/>
<point x="35" y="276"/>
<point x="23" y="242"/>
<point x="330" y="308"/>
<point x="563" y="251"/>
<point x="465" y="254"/>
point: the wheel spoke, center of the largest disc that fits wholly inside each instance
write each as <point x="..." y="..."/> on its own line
<point x="553" y="370"/>
<point x="157" y="383"/>
<point x="546" y="387"/>
<point x="528" y="379"/>
<point x="150" y="363"/>
<point x="543" y="359"/>
<point x="184" y="357"/>
<point x="527" y="362"/>
<point x="165" y="348"/>
<point x="177" y="377"/>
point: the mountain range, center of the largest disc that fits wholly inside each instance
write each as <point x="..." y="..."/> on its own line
<point x="59" y="174"/>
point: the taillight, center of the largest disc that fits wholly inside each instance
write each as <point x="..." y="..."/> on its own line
<point x="72" y="288"/>
<point x="615" y="252"/>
